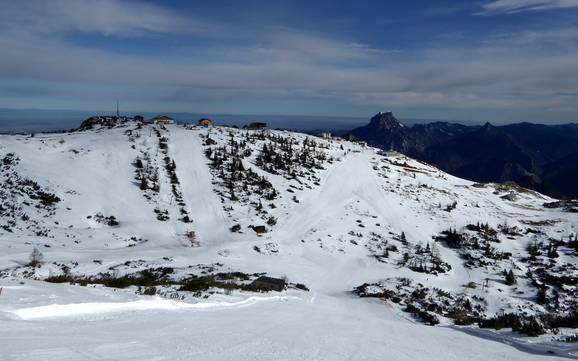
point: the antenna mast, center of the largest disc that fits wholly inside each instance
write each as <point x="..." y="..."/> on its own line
<point x="117" y="112"/>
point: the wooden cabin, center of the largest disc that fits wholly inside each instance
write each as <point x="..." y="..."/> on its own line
<point x="269" y="283"/>
<point x="259" y="229"/>
<point x="163" y="119"/>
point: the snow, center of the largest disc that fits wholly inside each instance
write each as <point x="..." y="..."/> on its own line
<point x="193" y="169"/>
<point x="97" y="308"/>
<point x="312" y="243"/>
<point x="281" y="328"/>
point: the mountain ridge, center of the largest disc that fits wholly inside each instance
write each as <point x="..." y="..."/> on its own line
<point x="516" y="152"/>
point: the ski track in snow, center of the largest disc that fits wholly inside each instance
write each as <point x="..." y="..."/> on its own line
<point x="98" y="308"/>
<point x="210" y="222"/>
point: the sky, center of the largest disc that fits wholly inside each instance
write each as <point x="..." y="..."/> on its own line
<point x="487" y="60"/>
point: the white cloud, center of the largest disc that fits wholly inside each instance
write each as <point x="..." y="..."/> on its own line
<point x="517" y="6"/>
<point x="557" y="37"/>
<point x="510" y="71"/>
<point x="107" y="17"/>
<point x="494" y="75"/>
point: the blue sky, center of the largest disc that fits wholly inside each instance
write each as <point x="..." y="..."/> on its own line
<point x="487" y="60"/>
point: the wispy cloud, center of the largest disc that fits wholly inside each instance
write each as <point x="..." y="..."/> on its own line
<point x="106" y="17"/>
<point x="517" y="6"/>
<point x="493" y="75"/>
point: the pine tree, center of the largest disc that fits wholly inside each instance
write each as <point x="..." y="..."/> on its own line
<point x="552" y="252"/>
<point x="144" y="184"/>
<point x="542" y="297"/>
<point x="36" y="257"/>
<point x="435" y="254"/>
<point x="510" y="278"/>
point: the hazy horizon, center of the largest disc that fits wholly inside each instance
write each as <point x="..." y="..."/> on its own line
<point x="38" y="120"/>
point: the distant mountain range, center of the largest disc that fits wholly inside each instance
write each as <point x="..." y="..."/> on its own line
<point x="537" y="156"/>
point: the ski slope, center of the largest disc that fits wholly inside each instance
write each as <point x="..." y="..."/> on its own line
<point x="329" y="232"/>
<point x="279" y="328"/>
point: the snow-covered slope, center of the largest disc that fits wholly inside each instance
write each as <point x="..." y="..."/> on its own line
<point x="328" y="214"/>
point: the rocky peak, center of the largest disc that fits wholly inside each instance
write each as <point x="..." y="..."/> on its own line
<point x="386" y="121"/>
<point x="489" y="130"/>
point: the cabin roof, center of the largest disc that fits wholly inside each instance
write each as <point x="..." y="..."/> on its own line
<point x="162" y="117"/>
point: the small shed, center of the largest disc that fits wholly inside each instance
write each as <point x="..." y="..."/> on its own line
<point x="204" y="122"/>
<point x="259" y="229"/>
<point x="163" y="119"/>
<point x="325" y="135"/>
<point x="269" y="283"/>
